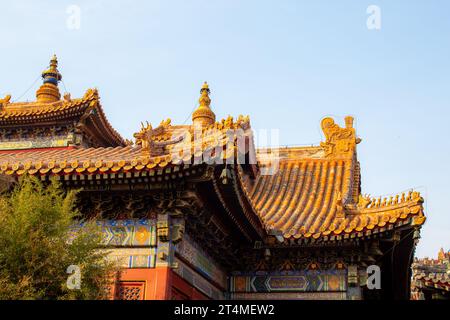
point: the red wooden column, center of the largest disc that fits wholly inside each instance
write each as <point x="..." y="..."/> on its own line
<point x="162" y="288"/>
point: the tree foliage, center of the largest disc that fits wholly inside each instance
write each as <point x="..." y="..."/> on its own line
<point x="38" y="244"/>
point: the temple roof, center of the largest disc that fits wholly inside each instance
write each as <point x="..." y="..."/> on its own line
<point x="440" y="281"/>
<point x="297" y="193"/>
<point x="48" y="109"/>
<point x="87" y="108"/>
<point x="155" y="147"/>
<point x="314" y="192"/>
<point x="312" y="196"/>
<point x="432" y="274"/>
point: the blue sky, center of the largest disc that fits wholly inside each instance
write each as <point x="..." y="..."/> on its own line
<point x="285" y="63"/>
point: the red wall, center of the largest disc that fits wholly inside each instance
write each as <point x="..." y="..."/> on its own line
<point x="156" y="282"/>
<point x="159" y="283"/>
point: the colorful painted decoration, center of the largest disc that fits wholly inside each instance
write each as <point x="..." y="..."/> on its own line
<point x="310" y="280"/>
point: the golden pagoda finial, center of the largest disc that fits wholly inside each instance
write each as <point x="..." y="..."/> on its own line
<point x="204" y="116"/>
<point x="204" y="99"/>
<point x="441" y="254"/>
<point x="49" y="91"/>
<point x="54" y="62"/>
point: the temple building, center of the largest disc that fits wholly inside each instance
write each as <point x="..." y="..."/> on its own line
<point x="197" y="212"/>
<point x="431" y="278"/>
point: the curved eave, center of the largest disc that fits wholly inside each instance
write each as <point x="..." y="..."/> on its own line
<point x="311" y="199"/>
<point x="364" y="232"/>
<point x="98" y="160"/>
<point x="103" y="130"/>
<point x="367" y="222"/>
<point x="54" y="113"/>
<point x="233" y="201"/>
<point x="77" y="110"/>
<point x="69" y="161"/>
<point x="433" y="280"/>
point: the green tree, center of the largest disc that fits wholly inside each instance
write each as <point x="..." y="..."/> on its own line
<point x="38" y="243"/>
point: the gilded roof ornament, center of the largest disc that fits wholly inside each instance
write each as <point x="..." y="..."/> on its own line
<point x="90" y="93"/>
<point x="364" y="201"/>
<point x="52" y="75"/>
<point x="144" y="136"/>
<point x="49" y="92"/>
<point x="243" y="122"/>
<point x="204" y="116"/>
<point x="339" y="141"/>
<point x="6" y="100"/>
<point x="166" y="123"/>
<point x="154" y="141"/>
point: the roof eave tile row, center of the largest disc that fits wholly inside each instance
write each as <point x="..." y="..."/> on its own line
<point x="439" y="281"/>
<point x="302" y="200"/>
<point x="61" y="161"/>
<point x="41" y="111"/>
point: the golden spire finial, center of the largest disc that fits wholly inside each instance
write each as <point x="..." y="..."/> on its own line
<point x="441" y="254"/>
<point x="204" y="115"/>
<point x="204" y="99"/>
<point x="52" y="74"/>
<point x="54" y="62"/>
<point x="49" y="91"/>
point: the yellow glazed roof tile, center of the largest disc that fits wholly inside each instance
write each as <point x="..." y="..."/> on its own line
<point x="314" y="192"/>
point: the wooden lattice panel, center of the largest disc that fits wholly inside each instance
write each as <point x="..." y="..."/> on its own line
<point x="130" y="290"/>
